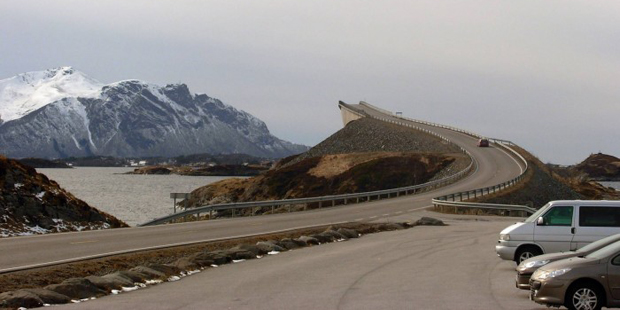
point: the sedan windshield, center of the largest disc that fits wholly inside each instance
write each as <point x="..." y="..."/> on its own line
<point x="607" y="251"/>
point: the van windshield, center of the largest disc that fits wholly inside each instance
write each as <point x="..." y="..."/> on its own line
<point x="537" y="214"/>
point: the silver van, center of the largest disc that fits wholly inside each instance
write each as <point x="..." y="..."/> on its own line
<point x="562" y="225"/>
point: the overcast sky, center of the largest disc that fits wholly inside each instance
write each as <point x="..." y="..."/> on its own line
<point x="544" y="74"/>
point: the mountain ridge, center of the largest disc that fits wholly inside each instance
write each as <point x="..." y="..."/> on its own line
<point x="127" y="118"/>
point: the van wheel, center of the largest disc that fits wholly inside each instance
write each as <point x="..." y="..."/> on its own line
<point x="584" y="297"/>
<point x="526" y="252"/>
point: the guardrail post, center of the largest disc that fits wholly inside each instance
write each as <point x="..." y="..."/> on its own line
<point x="333" y="202"/>
<point x="233" y="212"/>
<point x="273" y="209"/>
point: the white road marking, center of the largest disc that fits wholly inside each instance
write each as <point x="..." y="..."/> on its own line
<point x="82" y="242"/>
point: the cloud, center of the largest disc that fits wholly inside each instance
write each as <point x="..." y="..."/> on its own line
<point x="543" y="74"/>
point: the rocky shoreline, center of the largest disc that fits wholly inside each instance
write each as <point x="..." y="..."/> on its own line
<point x="30" y="203"/>
<point x="216" y="170"/>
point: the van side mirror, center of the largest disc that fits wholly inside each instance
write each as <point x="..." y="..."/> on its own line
<point x="540" y="221"/>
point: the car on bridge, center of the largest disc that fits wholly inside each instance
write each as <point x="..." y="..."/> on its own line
<point x="529" y="266"/>
<point x="584" y="282"/>
<point x="483" y="142"/>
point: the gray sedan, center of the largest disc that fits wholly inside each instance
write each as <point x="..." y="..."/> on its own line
<point x="528" y="266"/>
<point x="580" y="283"/>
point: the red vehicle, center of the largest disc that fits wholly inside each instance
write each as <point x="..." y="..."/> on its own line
<point x="483" y="142"/>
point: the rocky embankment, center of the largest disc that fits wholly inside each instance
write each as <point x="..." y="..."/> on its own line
<point x="366" y="155"/>
<point x="600" y="167"/>
<point x="543" y="184"/>
<point x="30" y="203"/>
<point x="83" y="281"/>
<point x="218" y="170"/>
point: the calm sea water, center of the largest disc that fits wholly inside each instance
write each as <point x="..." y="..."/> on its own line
<point x="134" y="199"/>
<point x="615" y="185"/>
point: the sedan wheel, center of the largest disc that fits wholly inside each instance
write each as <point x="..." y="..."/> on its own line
<point x="584" y="298"/>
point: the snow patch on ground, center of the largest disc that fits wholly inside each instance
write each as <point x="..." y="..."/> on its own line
<point x="40" y="195"/>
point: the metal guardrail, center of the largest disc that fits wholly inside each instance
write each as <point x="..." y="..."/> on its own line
<point x="440" y="203"/>
<point x="498" y="209"/>
<point x="332" y="199"/>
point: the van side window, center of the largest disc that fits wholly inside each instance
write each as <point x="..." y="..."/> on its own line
<point x="559" y="216"/>
<point x="599" y="216"/>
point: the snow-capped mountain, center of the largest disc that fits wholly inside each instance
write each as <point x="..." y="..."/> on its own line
<point x="61" y="112"/>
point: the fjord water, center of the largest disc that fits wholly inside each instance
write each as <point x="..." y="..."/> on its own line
<point x="615" y="185"/>
<point x="134" y="199"/>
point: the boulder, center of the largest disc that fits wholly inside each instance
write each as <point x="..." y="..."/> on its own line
<point x="133" y="277"/>
<point x="324" y="238"/>
<point x="335" y="234"/>
<point x="308" y="240"/>
<point x="291" y="244"/>
<point x="237" y="254"/>
<point x="20" y="298"/>
<point x="390" y="226"/>
<point x="109" y="283"/>
<point x="429" y="221"/>
<point x="349" y="233"/>
<point x="77" y="288"/>
<point x="187" y="263"/>
<point x="168" y="270"/>
<point x="218" y="257"/>
<point x="252" y="248"/>
<point x="269" y="246"/>
<point x="49" y="297"/>
<point x="149" y="273"/>
<point x="202" y="259"/>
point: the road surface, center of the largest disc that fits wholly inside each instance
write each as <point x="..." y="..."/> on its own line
<point x="494" y="166"/>
<point x="449" y="267"/>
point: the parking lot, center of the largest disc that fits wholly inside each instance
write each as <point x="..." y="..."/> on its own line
<point x="449" y="267"/>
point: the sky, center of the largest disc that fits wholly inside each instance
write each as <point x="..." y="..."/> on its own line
<point x="543" y="74"/>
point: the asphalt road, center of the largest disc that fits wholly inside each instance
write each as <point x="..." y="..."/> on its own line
<point x="449" y="267"/>
<point x="494" y="166"/>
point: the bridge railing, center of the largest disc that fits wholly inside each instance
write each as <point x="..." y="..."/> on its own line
<point x="443" y="203"/>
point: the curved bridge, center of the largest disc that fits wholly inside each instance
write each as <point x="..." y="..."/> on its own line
<point x="494" y="166"/>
